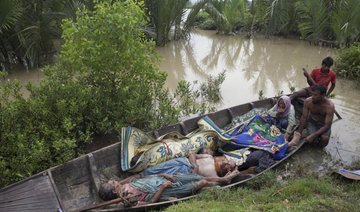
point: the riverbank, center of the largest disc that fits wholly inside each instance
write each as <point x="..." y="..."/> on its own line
<point x="292" y="187"/>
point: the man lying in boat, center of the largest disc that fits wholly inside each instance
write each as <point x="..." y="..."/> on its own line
<point x="203" y="163"/>
<point x="150" y="189"/>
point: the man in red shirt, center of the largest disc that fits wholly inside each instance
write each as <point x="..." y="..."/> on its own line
<point x="321" y="76"/>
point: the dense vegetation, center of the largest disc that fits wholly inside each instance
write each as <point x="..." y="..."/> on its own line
<point x="334" y="23"/>
<point x="281" y="190"/>
<point x="30" y="29"/>
<point x="107" y="73"/>
<point x="348" y="62"/>
<point x="106" y="77"/>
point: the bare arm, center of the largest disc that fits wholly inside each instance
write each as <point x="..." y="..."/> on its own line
<point x="328" y="122"/>
<point x="162" y="188"/>
<point x="304" y="115"/>
<point x="192" y="160"/>
<point x="223" y="180"/>
<point x="167" y="177"/>
<point x="330" y="89"/>
<point x="291" y="121"/>
<point x="309" y="79"/>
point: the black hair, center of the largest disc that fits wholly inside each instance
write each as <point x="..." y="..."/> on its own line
<point x="328" y="61"/>
<point x="106" y="192"/>
<point x="320" y="88"/>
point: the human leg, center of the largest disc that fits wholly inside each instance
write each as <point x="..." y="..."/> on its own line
<point x="185" y="185"/>
<point x="305" y="92"/>
<point x="321" y="141"/>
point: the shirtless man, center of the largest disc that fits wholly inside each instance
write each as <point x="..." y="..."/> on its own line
<point x="317" y="114"/>
<point x="205" y="165"/>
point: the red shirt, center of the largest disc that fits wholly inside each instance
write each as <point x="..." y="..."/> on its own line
<point x="323" y="78"/>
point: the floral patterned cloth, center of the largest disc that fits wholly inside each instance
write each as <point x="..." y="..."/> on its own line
<point x="140" y="151"/>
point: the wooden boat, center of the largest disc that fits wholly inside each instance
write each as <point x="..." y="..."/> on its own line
<point x="73" y="186"/>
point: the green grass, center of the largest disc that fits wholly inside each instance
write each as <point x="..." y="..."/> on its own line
<point x="307" y="192"/>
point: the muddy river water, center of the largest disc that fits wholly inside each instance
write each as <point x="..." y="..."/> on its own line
<point x="271" y="65"/>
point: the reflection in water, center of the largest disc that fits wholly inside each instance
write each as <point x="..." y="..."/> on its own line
<point x="271" y="65"/>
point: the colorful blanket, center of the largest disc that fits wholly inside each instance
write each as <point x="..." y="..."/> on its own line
<point x="259" y="133"/>
<point x="140" y="151"/>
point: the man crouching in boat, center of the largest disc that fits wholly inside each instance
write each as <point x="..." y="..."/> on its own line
<point x="317" y="115"/>
<point x="153" y="188"/>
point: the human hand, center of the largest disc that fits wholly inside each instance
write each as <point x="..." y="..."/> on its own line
<point x="168" y="177"/>
<point x="167" y="184"/>
<point x="287" y="136"/>
<point x="195" y="170"/>
<point x="309" y="139"/>
<point x="306" y="73"/>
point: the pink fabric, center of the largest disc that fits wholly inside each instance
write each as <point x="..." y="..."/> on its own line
<point x="133" y="191"/>
<point x="287" y="102"/>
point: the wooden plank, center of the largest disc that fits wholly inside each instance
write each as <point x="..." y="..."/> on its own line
<point x="55" y="188"/>
<point x="93" y="170"/>
<point x="33" y="194"/>
<point x="73" y="180"/>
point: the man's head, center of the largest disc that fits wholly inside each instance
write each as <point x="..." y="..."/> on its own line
<point x="108" y="190"/>
<point x="318" y="93"/>
<point x="326" y="64"/>
<point x="223" y="165"/>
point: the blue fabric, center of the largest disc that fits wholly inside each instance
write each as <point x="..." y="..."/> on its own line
<point x="259" y="133"/>
<point x="183" y="186"/>
<point x="174" y="166"/>
<point x="282" y="122"/>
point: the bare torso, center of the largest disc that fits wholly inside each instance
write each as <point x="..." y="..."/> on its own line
<point x="318" y="112"/>
<point x="206" y="166"/>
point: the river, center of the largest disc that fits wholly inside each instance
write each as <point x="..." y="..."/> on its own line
<point x="271" y="65"/>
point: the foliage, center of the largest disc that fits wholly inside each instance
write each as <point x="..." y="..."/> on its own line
<point x="314" y="19"/>
<point x="107" y="77"/>
<point x="282" y="17"/>
<point x="348" y="62"/>
<point x="345" y="22"/>
<point x="165" y="14"/>
<point x="28" y="28"/>
<point x="227" y="15"/>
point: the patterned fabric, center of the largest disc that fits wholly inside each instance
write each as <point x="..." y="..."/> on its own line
<point x="240" y="121"/>
<point x="259" y="133"/>
<point x="183" y="185"/>
<point x="146" y="151"/>
<point x="140" y="151"/>
<point x="239" y="156"/>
